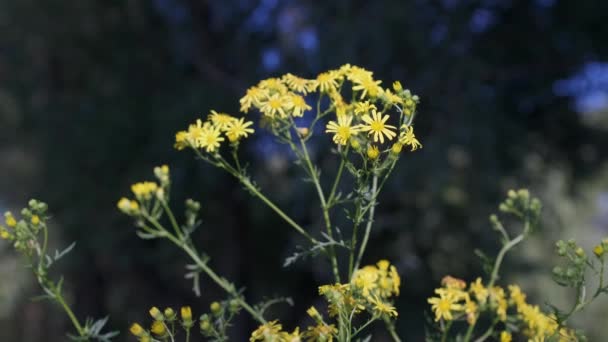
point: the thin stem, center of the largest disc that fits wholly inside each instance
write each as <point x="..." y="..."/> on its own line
<point x="317" y="183"/>
<point x="187" y="335"/>
<point x="444" y="336"/>
<point x="330" y="199"/>
<point x="171" y="218"/>
<point x="501" y="255"/>
<point x="391" y="329"/>
<point x="59" y="298"/>
<point x="470" y="329"/>
<point x="370" y="220"/>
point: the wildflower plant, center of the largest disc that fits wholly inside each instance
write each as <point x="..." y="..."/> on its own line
<point x="371" y="127"/>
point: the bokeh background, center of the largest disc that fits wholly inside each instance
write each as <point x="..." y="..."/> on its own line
<point x="513" y="94"/>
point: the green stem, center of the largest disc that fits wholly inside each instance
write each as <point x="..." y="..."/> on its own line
<point x="501" y="255"/>
<point x="324" y="207"/>
<point x="391" y="329"/>
<point x="470" y="329"/>
<point x="444" y="336"/>
<point x="337" y="180"/>
<point x="370" y="220"/>
<point x="59" y="298"/>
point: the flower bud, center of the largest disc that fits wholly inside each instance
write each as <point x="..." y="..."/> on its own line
<point x="373" y="152"/>
<point x="598" y="251"/>
<point x="216" y="308"/>
<point x="158" y="328"/>
<point x="169" y="314"/>
<point x="137" y="330"/>
<point x="156" y="314"/>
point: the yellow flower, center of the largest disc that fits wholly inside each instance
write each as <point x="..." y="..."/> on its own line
<point x="376" y="125"/>
<point x="137" y="330"/>
<point x="143" y="190"/>
<point x="470" y="308"/>
<point x="158" y="328"/>
<point x="127" y="206"/>
<point x="35" y="220"/>
<point x="407" y="137"/>
<point x="314" y="314"/>
<point x="358" y="73"/>
<point x="365" y="279"/>
<point x="444" y="305"/>
<point x="267" y="332"/>
<point x="4" y="234"/>
<point x="480" y="292"/>
<point x="389" y="97"/>
<point x="364" y="107"/>
<point x="598" y="251"/>
<point x="373" y="152"/>
<point x="196" y="132"/>
<point x="181" y="140"/>
<point x="397" y="86"/>
<point x="397" y="148"/>
<point x="186" y="313"/>
<point x="239" y="128"/>
<point x="273" y="106"/>
<point x="505" y="336"/>
<point x="342" y="129"/>
<point x="326" y="81"/>
<point x="296" y="83"/>
<point x="383" y="308"/>
<point x="274" y="85"/>
<point x="298" y="104"/>
<point x="210" y="139"/>
<point x="252" y="97"/>
<point x="221" y="120"/>
<point x="367" y="86"/>
<point x="517" y="296"/>
<point x="10" y="219"/>
<point x="156" y="314"/>
<point x="321" y="332"/>
<point x="215" y="308"/>
<point x="291" y="337"/>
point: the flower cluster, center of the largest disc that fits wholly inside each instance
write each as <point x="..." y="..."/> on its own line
<point x="23" y="233"/>
<point x="454" y="301"/>
<point x="373" y="116"/>
<point x="164" y="324"/>
<point x="149" y="196"/>
<point x="208" y="135"/>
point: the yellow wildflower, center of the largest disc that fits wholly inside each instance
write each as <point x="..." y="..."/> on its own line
<point x="314" y="314"/>
<point x="143" y="190"/>
<point x="343" y="129"/>
<point x="480" y="292"/>
<point x="297" y="104"/>
<point x="365" y="279"/>
<point x="367" y="86"/>
<point x="186" y="313"/>
<point x="35" y="220"/>
<point x="127" y="206"/>
<point x="221" y="120"/>
<point x="196" y="132"/>
<point x="274" y="105"/>
<point x="407" y="137"/>
<point x="239" y="129"/>
<point x="471" y="308"/>
<point x="9" y="219"/>
<point x="210" y="140"/>
<point x="181" y="140"/>
<point x="444" y="305"/>
<point x="517" y="296"/>
<point x="505" y="336"/>
<point x="376" y="125"/>
<point x="397" y="86"/>
<point x="137" y="330"/>
<point x="326" y="81"/>
<point x="296" y="83"/>
<point x="382" y="308"/>
<point x="373" y="152"/>
<point x="321" y="332"/>
<point x="274" y="85"/>
<point x="269" y="331"/>
<point x="252" y="97"/>
<point x="364" y="107"/>
<point x="598" y="251"/>
<point x="4" y="234"/>
<point x="158" y="328"/>
<point x="291" y="337"/>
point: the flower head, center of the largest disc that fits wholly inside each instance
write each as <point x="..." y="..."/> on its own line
<point x="407" y="137"/>
<point x="269" y="331"/>
<point x="376" y="125"/>
<point x="343" y="129"/>
<point x="238" y="129"/>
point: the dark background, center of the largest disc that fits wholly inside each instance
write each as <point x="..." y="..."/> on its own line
<point x="513" y="94"/>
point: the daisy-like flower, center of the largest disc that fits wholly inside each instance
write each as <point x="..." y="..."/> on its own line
<point x="211" y="139"/>
<point x="407" y="137"/>
<point x="376" y="125"/>
<point x="444" y="305"/>
<point x="326" y="81"/>
<point x="367" y="86"/>
<point x="196" y="132"/>
<point x="298" y="104"/>
<point x="364" y="107"/>
<point x="181" y="140"/>
<point x="296" y="83"/>
<point x="383" y="308"/>
<point x="273" y="85"/>
<point x="274" y="105"/>
<point x="252" y="97"/>
<point x="238" y="128"/>
<point x="267" y="332"/>
<point x="342" y="129"/>
<point x="221" y="120"/>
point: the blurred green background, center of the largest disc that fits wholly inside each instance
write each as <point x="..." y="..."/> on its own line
<point x="513" y="94"/>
